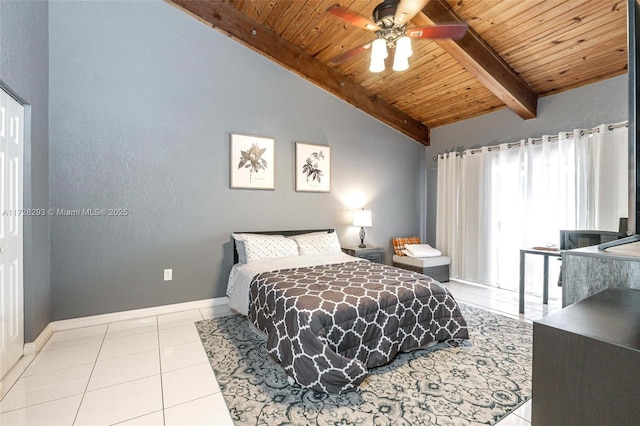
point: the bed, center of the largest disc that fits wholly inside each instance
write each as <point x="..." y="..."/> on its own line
<point x="329" y="317"/>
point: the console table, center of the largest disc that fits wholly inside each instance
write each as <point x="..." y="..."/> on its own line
<point x="586" y="362"/>
<point x="545" y="288"/>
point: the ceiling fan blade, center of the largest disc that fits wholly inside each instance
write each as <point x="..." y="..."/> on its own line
<point x="352" y="18"/>
<point x="350" y="53"/>
<point x="407" y="9"/>
<point x="453" y="31"/>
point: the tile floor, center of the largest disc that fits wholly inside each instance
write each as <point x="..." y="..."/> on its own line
<point x="154" y="371"/>
<point x="149" y="371"/>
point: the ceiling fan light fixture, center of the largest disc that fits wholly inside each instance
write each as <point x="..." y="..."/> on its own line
<point x="390" y="20"/>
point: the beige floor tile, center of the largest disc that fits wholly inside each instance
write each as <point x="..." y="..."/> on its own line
<point x="153" y="419"/>
<point x="179" y="318"/>
<point x="60" y="412"/>
<point x="130" y="327"/>
<point x="45" y="387"/>
<point x="187" y="384"/>
<point x="123" y="369"/>
<point x="127" y="345"/>
<point x="181" y="356"/>
<point x="121" y="402"/>
<point x="14" y="374"/>
<point x="58" y="359"/>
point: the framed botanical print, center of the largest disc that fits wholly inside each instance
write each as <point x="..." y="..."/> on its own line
<point x="313" y="168"/>
<point x="252" y="162"/>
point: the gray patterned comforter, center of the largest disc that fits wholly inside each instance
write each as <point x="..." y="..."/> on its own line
<point x="328" y="324"/>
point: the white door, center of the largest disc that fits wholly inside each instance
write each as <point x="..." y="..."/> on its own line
<point x="11" y="213"/>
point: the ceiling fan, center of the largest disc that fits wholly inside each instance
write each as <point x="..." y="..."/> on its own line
<point x="390" y="19"/>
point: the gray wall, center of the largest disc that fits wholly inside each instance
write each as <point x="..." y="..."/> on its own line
<point x="24" y="72"/>
<point x="143" y="98"/>
<point x="584" y="107"/>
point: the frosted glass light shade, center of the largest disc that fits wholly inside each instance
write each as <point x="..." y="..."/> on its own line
<point x="400" y="63"/>
<point x="362" y="218"/>
<point x="403" y="51"/>
<point x="378" y="55"/>
<point x="379" y="49"/>
<point x="403" y="47"/>
<point x="376" y="65"/>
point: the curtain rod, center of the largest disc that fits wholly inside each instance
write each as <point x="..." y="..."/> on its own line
<point x="534" y="140"/>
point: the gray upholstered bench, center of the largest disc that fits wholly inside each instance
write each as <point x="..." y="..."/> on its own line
<point x="435" y="267"/>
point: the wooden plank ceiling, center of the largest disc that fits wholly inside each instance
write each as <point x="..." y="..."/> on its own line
<point x="514" y="52"/>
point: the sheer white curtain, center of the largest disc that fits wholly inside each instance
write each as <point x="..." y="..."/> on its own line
<point x="603" y="197"/>
<point x="496" y="200"/>
<point x="447" y="206"/>
<point x="509" y="209"/>
<point x="474" y="237"/>
<point x="548" y="203"/>
<point x="549" y="191"/>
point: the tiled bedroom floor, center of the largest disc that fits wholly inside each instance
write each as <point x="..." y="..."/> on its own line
<point x="154" y="371"/>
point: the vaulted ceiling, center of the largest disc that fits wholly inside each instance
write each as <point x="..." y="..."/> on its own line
<point x="513" y="52"/>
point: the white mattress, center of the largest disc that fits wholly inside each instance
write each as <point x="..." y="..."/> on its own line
<point x="422" y="262"/>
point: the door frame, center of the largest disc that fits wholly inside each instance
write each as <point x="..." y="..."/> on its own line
<point x="26" y="197"/>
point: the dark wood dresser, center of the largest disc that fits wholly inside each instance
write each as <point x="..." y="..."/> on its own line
<point x="586" y="362"/>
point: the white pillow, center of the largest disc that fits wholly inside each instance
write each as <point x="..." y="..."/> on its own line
<point x="240" y="238"/>
<point x="318" y="243"/>
<point x="268" y="247"/>
<point x="421" y="250"/>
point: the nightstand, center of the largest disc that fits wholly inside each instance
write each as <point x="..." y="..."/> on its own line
<point x="372" y="253"/>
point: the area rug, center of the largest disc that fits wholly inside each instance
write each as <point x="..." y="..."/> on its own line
<point x="474" y="384"/>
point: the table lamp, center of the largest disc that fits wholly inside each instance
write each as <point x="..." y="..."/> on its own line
<point x="362" y="218"/>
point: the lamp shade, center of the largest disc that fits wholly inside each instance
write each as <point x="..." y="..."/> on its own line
<point x="378" y="55"/>
<point x="403" y="47"/>
<point x="379" y="49"/>
<point x="400" y="63"/>
<point x="376" y="65"/>
<point x="362" y="218"/>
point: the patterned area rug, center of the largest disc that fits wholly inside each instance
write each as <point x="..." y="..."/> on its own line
<point x="476" y="384"/>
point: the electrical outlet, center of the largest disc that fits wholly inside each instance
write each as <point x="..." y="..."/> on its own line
<point x="168" y="274"/>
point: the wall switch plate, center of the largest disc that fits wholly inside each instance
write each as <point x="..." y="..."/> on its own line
<point x="168" y="274"/>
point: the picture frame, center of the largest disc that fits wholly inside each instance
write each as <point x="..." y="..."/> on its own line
<point x="313" y="167"/>
<point x="252" y="162"/>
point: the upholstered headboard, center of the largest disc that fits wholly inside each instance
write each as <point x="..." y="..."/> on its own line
<point x="285" y="233"/>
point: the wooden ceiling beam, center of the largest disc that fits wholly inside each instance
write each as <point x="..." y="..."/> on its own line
<point x="473" y="53"/>
<point x="228" y="20"/>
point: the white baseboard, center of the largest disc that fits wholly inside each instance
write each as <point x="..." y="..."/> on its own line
<point x="35" y="346"/>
